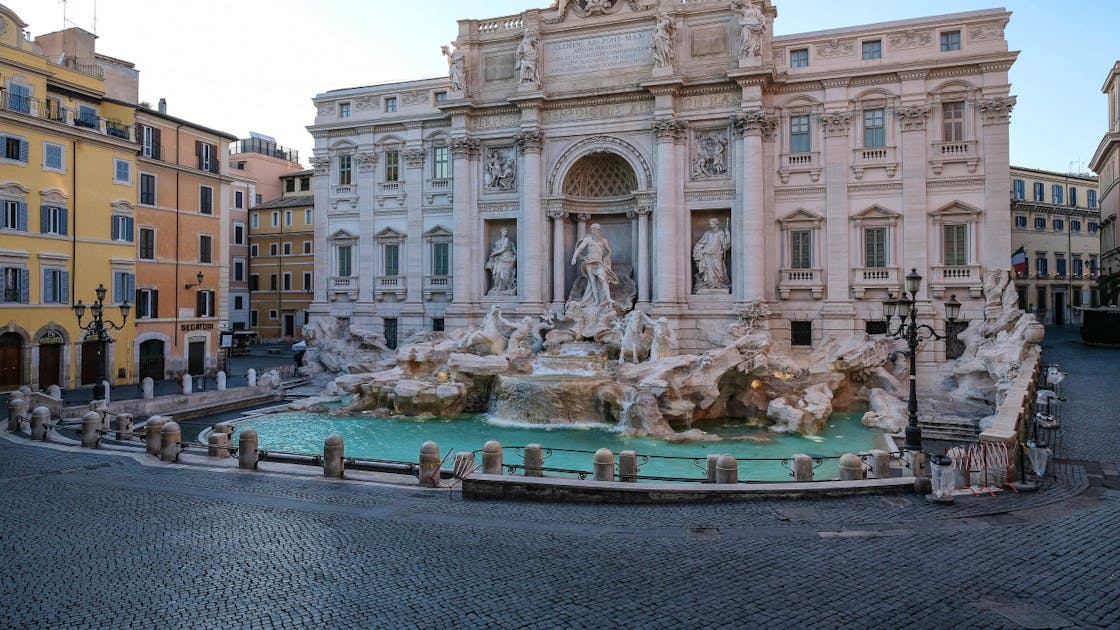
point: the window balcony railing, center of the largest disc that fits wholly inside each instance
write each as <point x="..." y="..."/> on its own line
<point x="344" y="191"/>
<point x="956" y="277"/>
<point x="943" y="153"/>
<point x="874" y="157"/>
<point x="390" y="286"/>
<point x="389" y="188"/>
<point x="50" y="111"/>
<point x="864" y="278"/>
<point x="791" y="280"/>
<point x="343" y="286"/>
<point x="800" y="163"/>
<point x="437" y="285"/>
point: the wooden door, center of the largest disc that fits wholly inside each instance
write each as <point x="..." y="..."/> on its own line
<point x="89" y="362"/>
<point x="151" y="360"/>
<point x="196" y="358"/>
<point x="11" y="361"/>
<point x="50" y="365"/>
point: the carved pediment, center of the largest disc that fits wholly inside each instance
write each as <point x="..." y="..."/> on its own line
<point x="122" y="206"/>
<point x="342" y="235"/>
<point x="389" y="234"/>
<point x="957" y="209"/>
<point x="54" y="197"/>
<point x="876" y="212"/>
<point x="438" y="231"/>
<point x="801" y="215"/>
<point x="13" y="189"/>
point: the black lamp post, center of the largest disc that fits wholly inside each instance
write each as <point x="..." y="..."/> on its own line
<point x="914" y="333"/>
<point x="100" y="328"/>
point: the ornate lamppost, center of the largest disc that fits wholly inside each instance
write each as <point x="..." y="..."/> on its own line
<point x="99" y="327"/>
<point x="914" y="333"/>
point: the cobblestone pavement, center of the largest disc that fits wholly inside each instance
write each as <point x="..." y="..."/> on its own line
<point x="92" y="539"/>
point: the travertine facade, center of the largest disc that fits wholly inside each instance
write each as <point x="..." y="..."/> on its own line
<point x="1106" y="163"/>
<point x="820" y="166"/>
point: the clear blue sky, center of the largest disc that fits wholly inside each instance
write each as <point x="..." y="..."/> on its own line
<point x="241" y="65"/>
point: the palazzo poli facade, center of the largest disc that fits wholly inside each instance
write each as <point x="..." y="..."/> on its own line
<point x="721" y="164"/>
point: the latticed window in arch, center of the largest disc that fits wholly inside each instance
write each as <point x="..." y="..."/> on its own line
<point x="600" y="175"/>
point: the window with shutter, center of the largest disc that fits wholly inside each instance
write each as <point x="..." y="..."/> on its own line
<point x="205" y="255"/>
<point x="955" y="245"/>
<point x="875" y="247"/>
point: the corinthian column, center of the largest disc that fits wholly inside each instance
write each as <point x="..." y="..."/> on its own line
<point x="463" y="273"/>
<point x="749" y="267"/>
<point x="558" y="217"/>
<point x="666" y="232"/>
<point x="531" y="248"/>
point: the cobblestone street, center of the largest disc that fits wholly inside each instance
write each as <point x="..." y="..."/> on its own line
<point x="100" y="540"/>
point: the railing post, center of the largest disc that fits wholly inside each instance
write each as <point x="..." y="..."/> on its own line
<point x="429" y="464"/>
<point x="712" y="460"/>
<point x="604" y="465"/>
<point x="40" y="418"/>
<point x="851" y="467"/>
<point x="332" y="457"/>
<point x="247" y="450"/>
<point x="91" y="423"/>
<point x="124" y="426"/>
<point x="17" y="409"/>
<point x="170" y="436"/>
<point x="628" y="466"/>
<point x="534" y="460"/>
<point x="802" y="468"/>
<point x="492" y="458"/>
<point x="152" y="432"/>
<point x="216" y="445"/>
<point x="727" y="469"/>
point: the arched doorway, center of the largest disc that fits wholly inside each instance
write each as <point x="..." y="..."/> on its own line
<point x="50" y="358"/>
<point x="152" y="360"/>
<point x="11" y="361"/>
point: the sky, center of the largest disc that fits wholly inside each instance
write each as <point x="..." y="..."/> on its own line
<point x="254" y="65"/>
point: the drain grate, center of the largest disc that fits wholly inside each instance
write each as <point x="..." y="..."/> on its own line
<point x="703" y="531"/>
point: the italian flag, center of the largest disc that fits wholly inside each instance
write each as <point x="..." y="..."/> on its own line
<point x="1019" y="260"/>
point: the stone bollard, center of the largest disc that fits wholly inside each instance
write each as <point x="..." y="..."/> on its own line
<point x="251" y="375"/>
<point x="54" y="391"/>
<point x="880" y="464"/>
<point x="223" y="427"/>
<point x="727" y="469"/>
<point x="170" y="436"/>
<point x="919" y="468"/>
<point x="429" y="464"/>
<point x="802" y="468"/>
<point x="851" y="467"/>
<point x="105" y="388"/>
<point x="17" y="409"/>
<point x="124" y="426"/>
<point x="25" y="390"/>
<point x="712" y="460"/>
<point x="216" y="445"/>
<point x="91" y="424"/>
<point x="628" y="466"/>
<point x="220" y="379"/>
<point x="534" y="460"/>
<point x="332" y="457"/>
<point x="247" y="450"/>
<point x="188" y="383"/>
<point x="40" y="421"/>
<point x="492" y="458"/>
<point x="604" y="465"/>
<point x="464" y="464"/>
<point x="148" y="387"/>
<point x="152" y="434"/>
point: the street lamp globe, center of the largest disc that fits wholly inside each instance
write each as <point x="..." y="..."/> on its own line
<point x="80" y="310"/>
<point x="913" y="281"/>
<point x="952" y="308"/>
<point x="100" y="291"/>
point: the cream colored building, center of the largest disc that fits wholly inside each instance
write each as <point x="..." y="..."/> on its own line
<point x="836" y="161"/>
<point x="1106" y="163"/>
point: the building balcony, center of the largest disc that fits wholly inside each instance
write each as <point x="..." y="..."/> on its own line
<point x="343" y="286"/>
<point x="437" y="285"/>
<point x="395" y="287"/>
<point x="438" y="188"/>
<point x="800" y="163"/>
<point x="811" y="280"/>
<point x="864" y="278"/>
<point x="390" y="191"/>
<point x="50" y="111"/>
<point x="954" y="278"/>
<point x="951" y="152"/>
<point x="874" y="157"/>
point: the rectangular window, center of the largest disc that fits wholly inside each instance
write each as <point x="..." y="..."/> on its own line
<point x="441" y="163"/>
<point x="147" y="244"/>
<point x="255" y="221"/>
<point x="253" y="251"/>
<point x="238" y="302"/>
<point x="287" y="249"/>
<point x="16" y="285"/>
<point x="273" y="282"/>
<point x="307" y="247"/>
<point x="344" y="261"/>
<point x="952" y="122"/>
<point x="147" y="141"/>
<point x="254" y="317"/>
<point x="205" y="200"/>
<point x="1021" y="222"/>
<point x="254" y="282"/>
<point x="239" y="270"/>
<point x="304" y="183"/>
<point x="1019" y="189"/>
<point x="56" y="286"/>
<point x="19" y="98"/>
<point x="1059" y="225"/>
<point x="257" y="199"/>
<point x="238" y="199"/>
<point x="16" y="149"/>
<point x="53" y="220"/>
<point x="275" y="218"/>
<point x="238" y="233"/>
<point x="874" y="128"/>
<point x="1078" y="266"/>
<point x="205" y="243"/>
<point x="1041" y="265"/>
<point x="392" y="166"/>
<point x="1093" y="227"/>
<point x="273" y="249"/>
<point x="1074" y="226"/>
<point x="147" y="303"/>
<point x="1060" y="265"/>
<point x="87" y="117"/>
<point x="344" y="110"/>
<point x="204" y="304"/>
<point x="437" y="324"/>
<point x="799" y="58"/>
<point x="1039" y="191"/>
<point x="390" y="332"/>
<point x="15" y="215"/>
<point x="873" y="50"/>
<point x="122" y="228"/>
<point x="287" y="281"/>
<point x="801" y="333"/>
<point x="1072" y="196"/>
<point x="343" y="170"/>
<point x="289" y="185"/>
<point x="1091" y="198"/>
<point x="1040" y="223"/>
<point x="801" y="249"/>
<point x="875" y="247"/>
<point x="1056" y="193"/>
<point x="307" y="286"/>
<point x="392" y="259"/>
<point x="954" y="246"/>
<point x="288" y="218"/>
<point x="307" y="217"/>
<point x="122" y="171"/>
<point x="799" y="134"/>
<point x="207" y="156"/>
<point x="950" y="40"/>
<point x="124" y="286"/>
<point x="441" y="259"/>
<point x="147" y="189"/>
<point x="52" y="156"/>
<point x="390" y="104"/>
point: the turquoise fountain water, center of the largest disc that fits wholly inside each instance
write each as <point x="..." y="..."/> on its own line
<point x="399" y="439"/>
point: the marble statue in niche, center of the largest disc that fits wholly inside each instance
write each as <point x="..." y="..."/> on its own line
<point x="502" y="265"/>
<point x="709" y="254"/>
<point x="709" y="159"/>
<point x="456" y="68"/>
<point x="661" y="44"/>
<point x="593" y="253"/>
<point x="528" y="56"/>
<point x="752" y="24"/>
<point x="499" y="170"/>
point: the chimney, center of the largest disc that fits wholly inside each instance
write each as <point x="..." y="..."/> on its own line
<point x="163" y="106"/>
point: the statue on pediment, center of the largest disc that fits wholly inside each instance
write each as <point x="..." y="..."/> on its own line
<point x="456" y="68"/>
<point x="752" y="25"/>
<point x="661" y="44"/>
<point x="527" y="59"/>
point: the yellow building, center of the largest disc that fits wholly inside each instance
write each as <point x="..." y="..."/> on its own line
<point x="282" y="259"/>
<point x="1055" y="219"/>
<point x="68" y="191"/>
